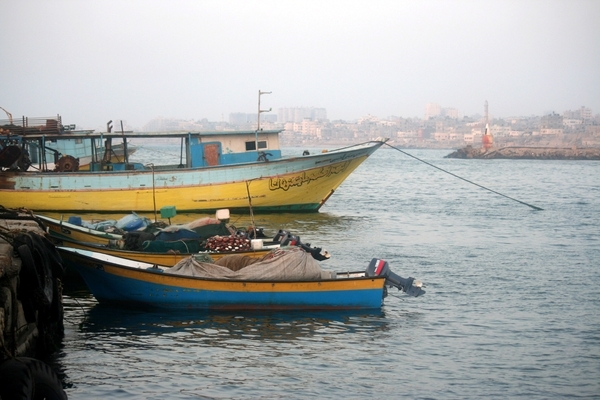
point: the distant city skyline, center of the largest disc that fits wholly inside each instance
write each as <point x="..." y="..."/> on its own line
<point x="296" y="118"/>
<point x="297" y="114"/>
<point x="91" y="61"/>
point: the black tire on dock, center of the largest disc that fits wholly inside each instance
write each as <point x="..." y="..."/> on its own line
<point x="16" y="380"/>
<point x="46" y="384"/>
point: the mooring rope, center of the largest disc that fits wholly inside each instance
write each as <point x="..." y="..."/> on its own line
<point x="466" y="180"/>
<point x="250" y="206"/>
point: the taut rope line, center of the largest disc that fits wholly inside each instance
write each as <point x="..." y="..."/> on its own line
<point x="466" y="180"/>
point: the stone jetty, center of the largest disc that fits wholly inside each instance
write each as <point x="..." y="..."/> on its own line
<point x="31" y="308"/>
<point x="528" y="153"/>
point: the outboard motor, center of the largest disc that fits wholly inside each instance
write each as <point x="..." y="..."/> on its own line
<point x="290" y="240"/>
<point x="287" y="239"/>
<point x="255" y="233"/>
<point x="279" y="235"/>
<point x="379" y="267"/>
<point x="251" y="233"/>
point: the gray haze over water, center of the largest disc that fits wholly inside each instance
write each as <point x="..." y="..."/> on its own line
<point x="91" y="61"/>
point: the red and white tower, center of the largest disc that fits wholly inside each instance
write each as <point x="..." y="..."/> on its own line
<point x="487" y="140"/>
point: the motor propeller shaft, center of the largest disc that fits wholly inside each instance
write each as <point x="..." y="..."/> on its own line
<point x="410" y="286"/>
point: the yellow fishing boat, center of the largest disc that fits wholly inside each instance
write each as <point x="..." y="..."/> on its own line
<point x="164" y="259"/>
<point x="214" y="170"/>
<point x="157" y="248"/>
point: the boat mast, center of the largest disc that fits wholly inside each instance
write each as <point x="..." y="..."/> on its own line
<point x="258" y="117"/>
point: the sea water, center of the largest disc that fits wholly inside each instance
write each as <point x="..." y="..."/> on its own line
<point x="512" y="308"/>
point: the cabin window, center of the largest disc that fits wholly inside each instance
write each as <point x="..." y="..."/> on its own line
<point x="78" y="141"/>
<point x="262" y="144"/>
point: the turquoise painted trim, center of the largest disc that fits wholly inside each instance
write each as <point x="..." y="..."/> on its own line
<point x="249" y="156"/>
<point x="83" y="180"/>
<point x="95" y="167"/>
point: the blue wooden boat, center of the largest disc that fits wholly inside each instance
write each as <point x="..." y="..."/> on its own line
<point x="125" y="282"/>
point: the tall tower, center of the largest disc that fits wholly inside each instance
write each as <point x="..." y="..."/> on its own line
<point x="485" y="107"/>
<point x="487" y="140"/>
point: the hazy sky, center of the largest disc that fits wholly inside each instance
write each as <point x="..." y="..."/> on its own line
<point x="91" y="61"/>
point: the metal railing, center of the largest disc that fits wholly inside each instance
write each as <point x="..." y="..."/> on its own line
<point x="31" y="125"/>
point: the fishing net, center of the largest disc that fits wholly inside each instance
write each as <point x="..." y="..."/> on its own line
<point x="289" y="263"/>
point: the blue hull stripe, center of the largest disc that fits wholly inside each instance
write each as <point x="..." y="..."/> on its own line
<point x="109" y="288"/>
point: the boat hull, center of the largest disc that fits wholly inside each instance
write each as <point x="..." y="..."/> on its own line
<point x="164" y="259"/>
<point x="78" y="237"/>
<point x="139" y="287"/>
<point x="299" y="184"/>
<point x="64" y="230"/>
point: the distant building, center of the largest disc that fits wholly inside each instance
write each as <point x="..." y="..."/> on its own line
<point x="586" y="113"/>
<point x="161" y="124"/>
<point x="572" y="123"/>
<point x="299" y="114"/>
<point x="551" y="121"/>
<point x="500" y="130"/>
<point x="551" y="131"/>
<point x="583" y="113"/>
<point x="368" y="119"/>
<point x="441" y="136"/>
<point x="408" y="134"/>
<point x="238" y="118"/>
<point x="450" y="113"/>
<point x="432" y="110"/>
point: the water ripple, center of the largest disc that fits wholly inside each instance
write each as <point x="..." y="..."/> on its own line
<point x="511" y="309"/>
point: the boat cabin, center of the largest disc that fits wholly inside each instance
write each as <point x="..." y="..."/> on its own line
<point x="110" y="151"/>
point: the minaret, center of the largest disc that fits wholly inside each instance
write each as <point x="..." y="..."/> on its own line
<point x="485" y="106"/>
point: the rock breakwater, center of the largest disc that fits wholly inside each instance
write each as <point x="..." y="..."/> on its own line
<point x="531" y="153"/>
